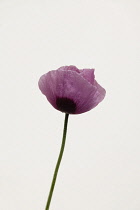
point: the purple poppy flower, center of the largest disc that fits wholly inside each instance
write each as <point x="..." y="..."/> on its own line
<point x="71" y="90"/>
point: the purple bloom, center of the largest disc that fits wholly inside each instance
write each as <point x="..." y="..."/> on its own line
<point x="71" y="90"/>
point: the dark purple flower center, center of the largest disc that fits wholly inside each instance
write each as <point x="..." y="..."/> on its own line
<point x="66" y="105"/>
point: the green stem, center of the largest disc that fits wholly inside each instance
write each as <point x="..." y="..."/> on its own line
<point x="58" y="162"/>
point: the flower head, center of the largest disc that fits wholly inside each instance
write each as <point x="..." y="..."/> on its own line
<point x="71" y="90"/>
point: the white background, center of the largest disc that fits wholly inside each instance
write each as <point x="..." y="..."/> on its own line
<point x="101" y="165"/>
